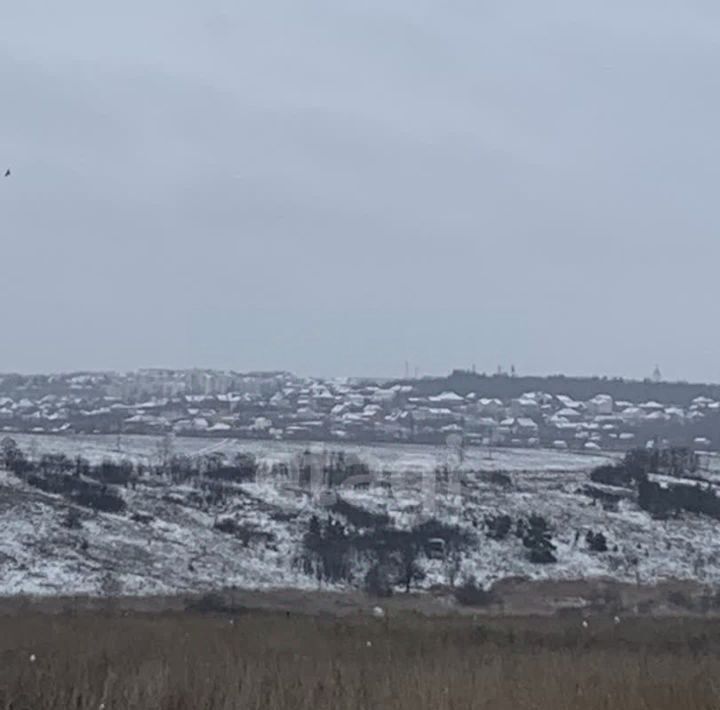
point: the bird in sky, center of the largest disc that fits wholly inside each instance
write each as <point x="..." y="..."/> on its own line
<point x="7" y="173"/>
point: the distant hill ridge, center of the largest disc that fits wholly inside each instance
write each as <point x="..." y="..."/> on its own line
<point x="580" y="388"/>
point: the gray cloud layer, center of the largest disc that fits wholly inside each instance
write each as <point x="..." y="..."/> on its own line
<point x="337" y="187"/>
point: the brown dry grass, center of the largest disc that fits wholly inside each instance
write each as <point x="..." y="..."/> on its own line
<point x="269" y="661"/>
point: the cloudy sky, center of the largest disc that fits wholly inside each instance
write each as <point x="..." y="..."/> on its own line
<point x="338" y="187"/>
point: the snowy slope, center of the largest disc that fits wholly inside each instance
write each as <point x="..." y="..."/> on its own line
<point x="166" y="541"/>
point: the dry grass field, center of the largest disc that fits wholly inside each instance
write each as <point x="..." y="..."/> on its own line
<point x="273" y="661"/>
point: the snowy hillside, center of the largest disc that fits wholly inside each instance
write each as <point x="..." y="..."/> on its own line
<point x="175" y="537"/>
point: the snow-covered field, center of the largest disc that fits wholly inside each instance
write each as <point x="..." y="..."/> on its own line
<point x="177" y="549"/>
<point x="377" y="456"/>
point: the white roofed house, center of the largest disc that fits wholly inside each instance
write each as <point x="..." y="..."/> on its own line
<point x="701" y="403"/>
<point x="402" y="395"/>
<point x="219" y="427"/>
<point x="435" y="416"/>
<point x="600" y="405"/>
<point x="428" y="421"/>
<point x="355" y="401"/>
<point x="339" y="409"/>
<point x="261" y="424"/>
<point x="482" y="427"/>
<point x="490" y="407"/>
<point x="525" y="406"/>
<point x="360" y="423"/>
<point x="200" y="424"/>
<point x="542" y="398"/>
<point x="322" y="399"/>
<point x="139" y="422"/>
<point x="694" y="415"/>
<point x="569" y="414"/>
<point x="608" y="421"/>
<point x="450" y="400"/>
<point x="633" y="415"/>
<point x="182" y="425"/>
<point x="526" y="426"/>
<point x="25" y="406"/>
<point x="372" y="412"/>
<point x="279" y="400"/>
<point x="569" y="402"/>
<point x="563" y="427"/>
<point x="504" y="430"/>
<point x="519" y="428"/>
<point x="396" y="426"/>
<point x="676" y="414"/>
<point x="384" y="397"/>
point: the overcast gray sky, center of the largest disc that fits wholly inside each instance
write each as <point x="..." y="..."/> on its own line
<point x="336" y="187"/>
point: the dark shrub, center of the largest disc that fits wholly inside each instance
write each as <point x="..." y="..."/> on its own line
<point x="242" y="470"/>
<point x="245" y="533"/>
<point x="470" y="593"/>
<point x="359" y="517"/>
<point x="112" y="472"/>
<point x="607" y="499"/>
<point x="612" y="475"/>
<point x="55" y="464"/>
<point x="498" y="527"/>
<point x="596" y="541"/>
<point x="345" y="468"/>
<point x="499" y="478"/>
<point x="213" y="603"/>
<point x="328" y="548"/>
<point x="377" y="581"/>
<point x="536" y="537"/>
<point x="681" y="600"/>
<point x="662" y="501"/>
<point x="102" y="499"/>
<point x="542" y="555"/>
<point x="72" y="520"/>
<point x="226" y="525"/>
<point x="672" y="461"/>
<point x="452" y="535"/>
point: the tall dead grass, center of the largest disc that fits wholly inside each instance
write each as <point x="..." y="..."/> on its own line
<point x="270" y="661"/>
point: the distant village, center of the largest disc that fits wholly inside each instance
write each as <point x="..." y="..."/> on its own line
<point x="281" y="406"/>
